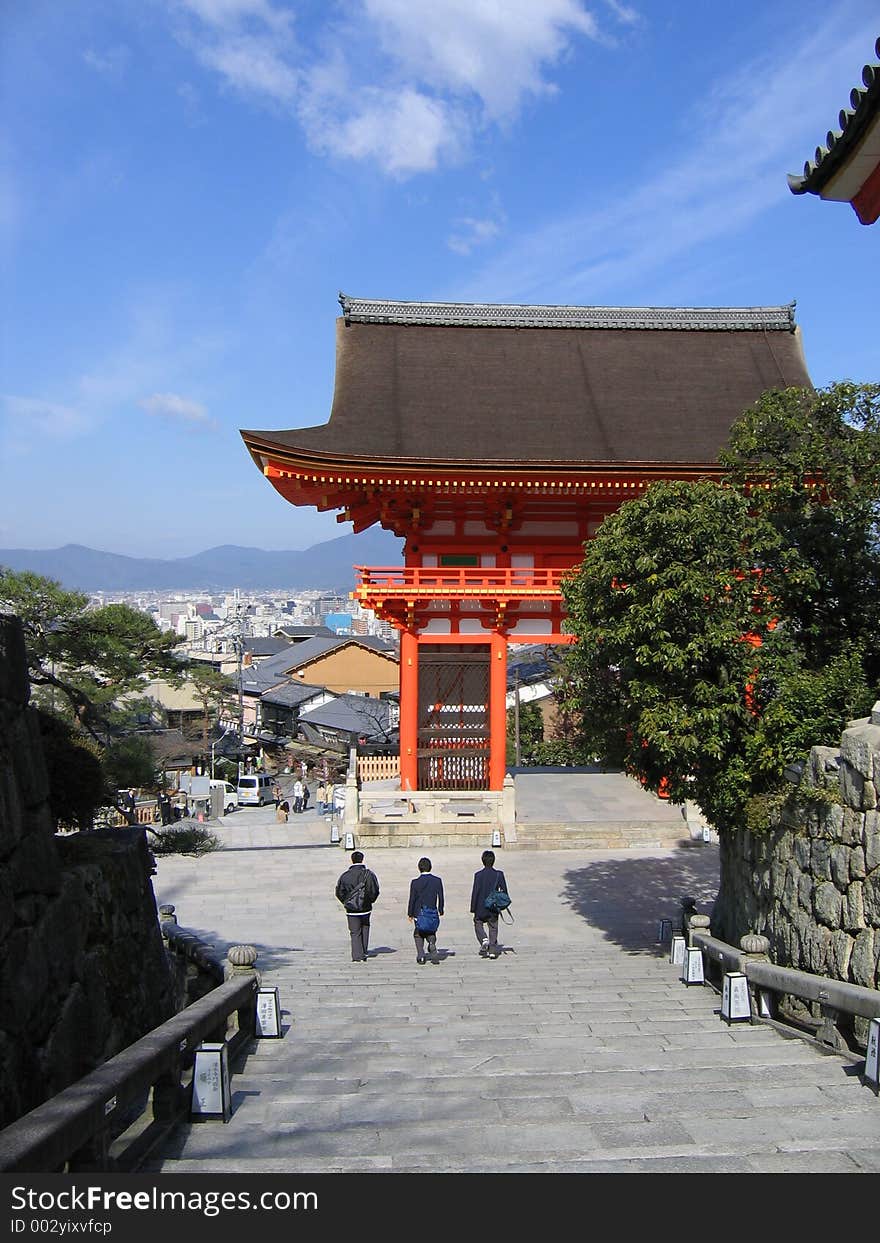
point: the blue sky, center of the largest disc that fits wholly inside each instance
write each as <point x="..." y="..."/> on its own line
<point x="185" y="186"/>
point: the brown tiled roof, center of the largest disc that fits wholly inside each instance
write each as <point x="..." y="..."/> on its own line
<point x="441" y="383"/>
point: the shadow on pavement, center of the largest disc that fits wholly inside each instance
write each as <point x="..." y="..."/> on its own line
<point x="626" y="898"/>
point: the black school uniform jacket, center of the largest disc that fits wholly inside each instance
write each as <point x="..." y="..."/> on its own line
<point x="425" y="890"/>
<point x="485" y="881"/>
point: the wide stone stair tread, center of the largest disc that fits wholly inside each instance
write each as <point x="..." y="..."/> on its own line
<point x="372" y="1053"/>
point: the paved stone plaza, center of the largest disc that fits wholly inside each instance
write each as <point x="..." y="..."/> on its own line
<point x="579" y="1050"/>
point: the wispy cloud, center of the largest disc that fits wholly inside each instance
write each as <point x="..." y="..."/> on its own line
<point x="29" y="422"/>
<point x="728" y="168"/>
<point x="178" y="409"/>
<point x="406" y="86"/>
<point x="249" y="43"/>
<point x="110" y="63"/>
<point x="471" y="233"/>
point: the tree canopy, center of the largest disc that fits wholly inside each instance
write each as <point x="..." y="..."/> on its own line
<point x="723" y="628"/>
<point x="90" y="657"/>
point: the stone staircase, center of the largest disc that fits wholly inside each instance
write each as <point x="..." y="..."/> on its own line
<point x="578" y="1057"/>
<point x="604" y="835"/>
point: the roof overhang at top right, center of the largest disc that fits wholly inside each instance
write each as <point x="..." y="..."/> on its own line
<point x="847" y="168"/>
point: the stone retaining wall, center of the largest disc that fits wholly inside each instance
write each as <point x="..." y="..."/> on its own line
<point x="83" y="971"/>
<point x="811" y="883"/>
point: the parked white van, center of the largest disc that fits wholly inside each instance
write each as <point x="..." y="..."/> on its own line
<point x="255" y="790"/>
<point x="230" y="795"/>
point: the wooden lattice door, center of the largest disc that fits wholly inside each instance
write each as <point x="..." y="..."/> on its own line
<point x="453" y="733"/>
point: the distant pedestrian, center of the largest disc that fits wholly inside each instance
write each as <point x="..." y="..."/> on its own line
<point x="424" y="910"/>
<point x="281" y="811"/>
<point x="486" y="881"/>
<point x="276" y="793"/>
<point x="357" y="890"/>
<point x="306" y="796"/>
<point x="297" y="797"/>
<point x="328" y="797"/>
<point x="320" y="795"/>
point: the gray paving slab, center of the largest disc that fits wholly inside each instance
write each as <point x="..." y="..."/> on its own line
<point x="578" y="1051"/>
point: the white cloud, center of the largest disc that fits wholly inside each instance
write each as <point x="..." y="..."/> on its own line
<point x="494" y="51"/>
<point x="404" y="85"/>
<point x="402" y="130"/>
<point x="471" y="233"/>
<point x="178" y="409"/>
<point x="248" y="42"/>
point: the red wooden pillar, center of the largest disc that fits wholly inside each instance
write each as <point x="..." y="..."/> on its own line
<point x="497" y="712"/>
<point x="409" y="710"/>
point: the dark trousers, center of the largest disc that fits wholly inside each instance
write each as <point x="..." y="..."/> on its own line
<point x="359" y="927"/>
<point x="420" y="938"/>
<point x="490" y="924"/>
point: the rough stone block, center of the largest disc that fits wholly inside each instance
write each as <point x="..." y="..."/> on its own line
<point x="855" y="789"/>
<point x="801" y="847"/>
<point x="34" y="867"/>
<point x="853" y="915"/>
<point x="852" y="825"/>
<point x="839" y="954"/>
<point x="28" y="762"/>
<point x="859" y="745"/>
<point x="827" y="904"/>
<point x="14" y="684"/>
<point x="816" y="943"/>
<point x="24" y="980"/>
<point x="10" y="810"/>
<point x="871" y="898"/>
<point x="834" y="821"/>
<point x="820" y="859"/>
<point x="857" y="867"/>
<point x="863" y="963"/>
<point x="822" y="768"/>
<point x="805" y="891"/>
<point x="872" y="840"/>
<point x="840" y="866"/>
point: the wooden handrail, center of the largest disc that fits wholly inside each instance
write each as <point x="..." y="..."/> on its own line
<point x="460" y="580"/>
<point x="81" y="1116"/>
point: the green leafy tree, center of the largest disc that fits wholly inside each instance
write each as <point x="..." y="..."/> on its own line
<point x="531" y="732"/>
<point x="724" y="629"/>
<point x="85" y="658"/>
<point x="211" y="688"/>
<point x="668" y="591"/>
<point x="809" y="461"/>
<point x="84" y="665"/>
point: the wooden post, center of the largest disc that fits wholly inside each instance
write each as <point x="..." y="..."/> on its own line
<point x="409" y="710"/>
<point x="497" y="711"/>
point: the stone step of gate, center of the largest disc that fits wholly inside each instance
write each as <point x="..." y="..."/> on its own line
<point x="604" y="835"/>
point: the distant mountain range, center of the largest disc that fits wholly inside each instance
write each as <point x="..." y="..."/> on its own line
<point x="327" y="566"/>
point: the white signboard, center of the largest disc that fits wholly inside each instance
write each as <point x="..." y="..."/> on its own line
<point x="268" y="1012"/>
<point x="676" y="953"/>
<point x="872" y="1060"/>
<point x="211" y="1095"/>
<point x="692" y="966"/>
<point x="735" y="1003"/>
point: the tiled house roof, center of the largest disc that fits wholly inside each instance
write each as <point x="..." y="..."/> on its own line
<point x="433" y="384"/>
<point x="847" y="167"/>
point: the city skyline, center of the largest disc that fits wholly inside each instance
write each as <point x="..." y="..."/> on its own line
<point x="187" y="184"/>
